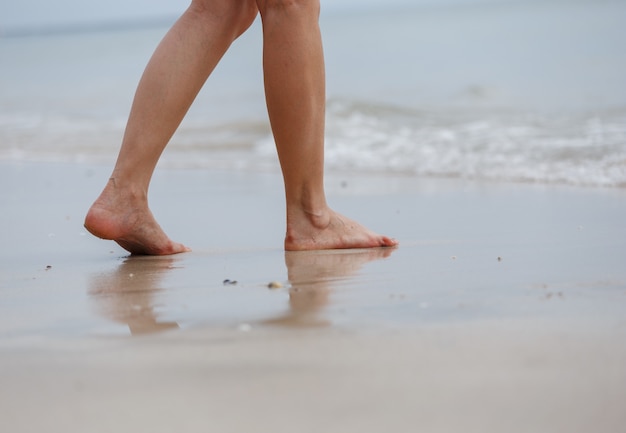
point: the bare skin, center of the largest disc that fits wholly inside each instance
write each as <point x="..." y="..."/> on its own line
<point x="293" y="64"/>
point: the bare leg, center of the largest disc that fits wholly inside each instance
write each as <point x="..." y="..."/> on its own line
<point x="295" y="91"/>
<point x="174" y="76"/>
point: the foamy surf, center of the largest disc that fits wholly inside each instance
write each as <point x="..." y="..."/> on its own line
<point x="585" y="150"/>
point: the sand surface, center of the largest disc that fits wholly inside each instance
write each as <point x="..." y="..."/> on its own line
<point x="504" y="309"/>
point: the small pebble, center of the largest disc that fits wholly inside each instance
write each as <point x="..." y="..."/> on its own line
<point x="453" y="257"/>
<point x="48" y="267"/>
<point x="228" y="282"/>
<point x="274" y="285"/>
<point x="499" y="259"/>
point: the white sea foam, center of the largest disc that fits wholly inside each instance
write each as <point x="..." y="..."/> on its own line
<point x="579" y="150"/>
<point x="576" y="149"/>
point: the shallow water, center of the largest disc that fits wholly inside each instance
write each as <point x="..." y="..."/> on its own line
<point x="469" y="252"/>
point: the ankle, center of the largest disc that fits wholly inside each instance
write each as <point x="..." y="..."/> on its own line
<point x="126" y="189"/>
<point x="308" y="201"/>
<point x="299" y="216"/>
<point x="319" y="218"/>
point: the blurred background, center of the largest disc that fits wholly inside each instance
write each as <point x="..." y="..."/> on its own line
<point x="501" y="90"/>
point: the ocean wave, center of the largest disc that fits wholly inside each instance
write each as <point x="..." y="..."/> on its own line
<point x="586" y="150"/>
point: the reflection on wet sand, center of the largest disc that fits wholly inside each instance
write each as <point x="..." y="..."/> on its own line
<point x="312" y="275"/>
<point x="126" y="295"/>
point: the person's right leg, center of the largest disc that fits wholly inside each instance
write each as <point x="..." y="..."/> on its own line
<point x="293" y="64"/>
<point x="174" y="76"/>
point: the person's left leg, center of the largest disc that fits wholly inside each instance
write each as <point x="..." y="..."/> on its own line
<point x="293" y="63"/>
<point x="175" y="74"/>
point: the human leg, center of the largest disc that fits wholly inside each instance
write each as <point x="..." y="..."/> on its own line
<point x="293" y="64"/>
<point x="172" y="79"/>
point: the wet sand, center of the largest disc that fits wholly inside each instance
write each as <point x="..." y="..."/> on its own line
<point x="504" y="309"/>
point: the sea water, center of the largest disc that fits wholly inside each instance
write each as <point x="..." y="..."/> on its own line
<point x="499" y="90"/>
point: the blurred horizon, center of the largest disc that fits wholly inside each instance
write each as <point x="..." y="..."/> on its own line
<point x="37" y="17"/>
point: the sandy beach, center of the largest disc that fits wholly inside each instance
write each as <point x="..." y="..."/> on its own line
<point x="488" y="137"/>
<point x="504" y="309"/>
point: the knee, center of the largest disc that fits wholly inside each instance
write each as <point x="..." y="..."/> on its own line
<point x="236" y="15"/>
<point x="310" y="8"/>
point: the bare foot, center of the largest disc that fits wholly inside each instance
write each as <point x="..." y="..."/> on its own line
<point x="330" y="230"/>
<point x="125" y="218"/>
